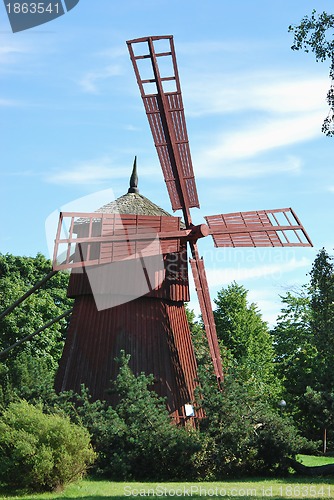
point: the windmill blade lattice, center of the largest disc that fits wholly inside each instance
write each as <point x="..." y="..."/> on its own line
<point x="265" y="228"/>
<point x="162" y="98"/>
<point x="101" y="238"/>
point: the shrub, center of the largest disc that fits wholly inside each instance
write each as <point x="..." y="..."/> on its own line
<point x="243" y="434"/>
<point x="276" y="441"/>
<point x="39" y="451"/>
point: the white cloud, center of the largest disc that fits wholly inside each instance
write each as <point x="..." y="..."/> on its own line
<point x="132" y="128"/>
<point x="267" y="298"/>
<point x="96" y="171"/>
<point x="270" y="111"/>
<point x="293" y="95"/>
<point x="86" y="172"/>
<point x="214" y="46"/>
<point x="90" y="81"/>
<point x="9" y="49"/>
<point x="206" y="167"/>
<point x="118" y="51"/>
<point x="220" y="277"/>
<point x="275" y="92"/>
<point x="265" y="135"/>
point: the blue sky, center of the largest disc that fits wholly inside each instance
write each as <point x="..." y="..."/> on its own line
<point x="72" y="120"/>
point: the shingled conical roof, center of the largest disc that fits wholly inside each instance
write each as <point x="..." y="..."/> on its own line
<point x="133" y="202"/>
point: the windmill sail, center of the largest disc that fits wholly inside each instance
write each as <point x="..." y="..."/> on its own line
<point x="264" y="228"/>
<point x="90" y="239"/>
<point x="161" y="94"/>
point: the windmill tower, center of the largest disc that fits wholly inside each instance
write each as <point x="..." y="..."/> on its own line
<point x="148" y="321"/>
<point x="147" y="249"/>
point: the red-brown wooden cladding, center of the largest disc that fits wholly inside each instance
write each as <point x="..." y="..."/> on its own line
<point x="263" y="228"/>
<point x="175" y="286"/>
<point x="154" y="332"/>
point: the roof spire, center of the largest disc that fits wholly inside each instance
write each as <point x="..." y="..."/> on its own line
<point x="134" y="178"/>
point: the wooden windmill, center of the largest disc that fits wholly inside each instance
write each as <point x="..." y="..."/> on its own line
<point x="148" y="249"/>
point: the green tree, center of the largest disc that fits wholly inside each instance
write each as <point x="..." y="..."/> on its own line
<point x="322" y="322"/>
<point x="315" y="34"/>
<point x="303" y="340"/>
<point x="296" y="356"/>
<point x="246" y="340"/>
<point x="294" y="346"/>
<point x="155" y="448"/>
<point x="322" y="325"/>
<point x="17" y="276"/>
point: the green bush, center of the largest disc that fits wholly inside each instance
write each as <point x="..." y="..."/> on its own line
<point x="276" y="441"/>
<point x="39" y="451"/>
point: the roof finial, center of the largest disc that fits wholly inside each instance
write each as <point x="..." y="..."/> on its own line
<point x="134" y="178"/>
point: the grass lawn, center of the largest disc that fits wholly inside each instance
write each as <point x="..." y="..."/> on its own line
<point x="293" y="488"/>
<point x="312" y="461"/>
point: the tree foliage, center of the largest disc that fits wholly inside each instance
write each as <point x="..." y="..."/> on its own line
<point x="315" y="34"/>
<point x="303" y="339"/>
<point x="322" y="322"/>
<point x="243" y="431"/>
<point x="17" y="276"/>
<point x="294" y="347"/>
<point x="247" y="341"/>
